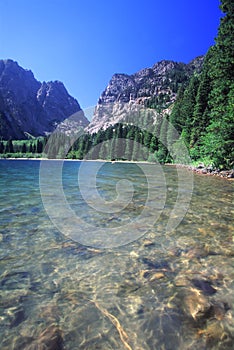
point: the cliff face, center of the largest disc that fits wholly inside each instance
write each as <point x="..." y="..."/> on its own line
<point x="30" y="107"/>
<point x="154" y="87"/>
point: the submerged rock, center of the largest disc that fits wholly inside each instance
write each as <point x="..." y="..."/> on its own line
<point x="219" y="310"/>
<point x="147" y="242"/>
<point x="18" y="316"/>
<point x="15" y="280"/>
<point x="127" y="288"/>
<point x="213" y="331"/>
<point x="151" y="275"/>
<point x="156" y="276"/>
<point x="82" y="251"/>
<point x="197" y="305"/>
<point x="162" y="265"/>
<point x="12" y="297"/>
<point x="49" y="339"/>
<point x="181" y="281"/>
<point x="195" y="252"/>
<point x="204" y="285"/>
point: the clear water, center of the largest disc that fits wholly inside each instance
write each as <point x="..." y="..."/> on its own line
<point x="162" y="290"/>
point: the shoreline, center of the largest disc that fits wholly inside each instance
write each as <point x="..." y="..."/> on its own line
<point x="201" y="169"/>
<point x="81" y="160"/>
<point x="207" y="171"/>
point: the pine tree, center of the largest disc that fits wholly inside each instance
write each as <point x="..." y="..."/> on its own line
<point x="24" y="148"/>
<point x="2" y="147"/>
<point x="136" y="152"/>
<point x="221" y="73"/>
<point x="153" y="144"/>
<point x="201" y="109"/>
<point x="176" y="117"/>
<point x="9" y="147"/>
<point x="39" y="146"/>
<point x="163" y="147"/>
<point x="188" y="106"/>
<point x="103" y="154"/>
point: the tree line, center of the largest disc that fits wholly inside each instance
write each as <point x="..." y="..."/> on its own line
<point x="22" y="147"/>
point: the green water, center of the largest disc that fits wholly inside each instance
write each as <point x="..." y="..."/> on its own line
<point x="156" y="289"/>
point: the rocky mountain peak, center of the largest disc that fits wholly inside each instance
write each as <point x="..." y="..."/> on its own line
<point x="163" y="66"/>
<point x="17" y="82"/>
<point x="196" y="64"/>
<point x="29" y="106"/>
<point x="156" y="86"/>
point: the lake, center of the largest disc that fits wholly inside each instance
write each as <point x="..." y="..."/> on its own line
<point x="114" y="256"/>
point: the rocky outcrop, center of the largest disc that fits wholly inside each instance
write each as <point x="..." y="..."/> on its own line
<point x="150" y="87"/>
<point x="29" y="107"/>
<point x="201" y="169"/>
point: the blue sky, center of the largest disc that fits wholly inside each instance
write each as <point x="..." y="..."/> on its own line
<point x="83" y="43"/>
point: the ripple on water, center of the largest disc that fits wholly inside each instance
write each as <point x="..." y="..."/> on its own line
<point x="169" y="290"/>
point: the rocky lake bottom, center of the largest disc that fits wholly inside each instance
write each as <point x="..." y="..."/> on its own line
<point x="163" y="289"/>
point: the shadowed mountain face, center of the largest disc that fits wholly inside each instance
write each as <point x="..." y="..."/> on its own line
<point x="28" y="106"/>
<point x="154" y="87"/>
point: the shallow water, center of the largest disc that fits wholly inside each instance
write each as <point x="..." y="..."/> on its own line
<point x="154" y="288"/>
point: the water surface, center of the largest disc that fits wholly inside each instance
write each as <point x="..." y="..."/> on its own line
<point x="163" y="290"/>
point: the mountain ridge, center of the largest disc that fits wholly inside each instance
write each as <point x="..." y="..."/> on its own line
<point x="28" y="106"/>
<point x="160" y="82"/>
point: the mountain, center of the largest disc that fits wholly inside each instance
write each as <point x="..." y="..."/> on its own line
<point x="29" y="107"/>
<point x="178" y="112"/>
<point x="154" y="87"/>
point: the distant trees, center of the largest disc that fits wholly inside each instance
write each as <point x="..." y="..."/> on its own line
<point x="9" y="148"/>
<point x="2" y="148"/>
<point x="39" y="146"/>
<point x="19" y="148"/>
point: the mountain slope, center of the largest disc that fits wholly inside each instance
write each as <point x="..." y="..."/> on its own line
<point x="154" y="87"/>
<point x="28" y="106"/>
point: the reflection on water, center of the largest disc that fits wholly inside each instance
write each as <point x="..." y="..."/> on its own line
<point x="162" y="291"/>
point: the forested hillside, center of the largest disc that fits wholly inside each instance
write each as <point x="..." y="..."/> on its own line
<point x="204" y="112"/>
